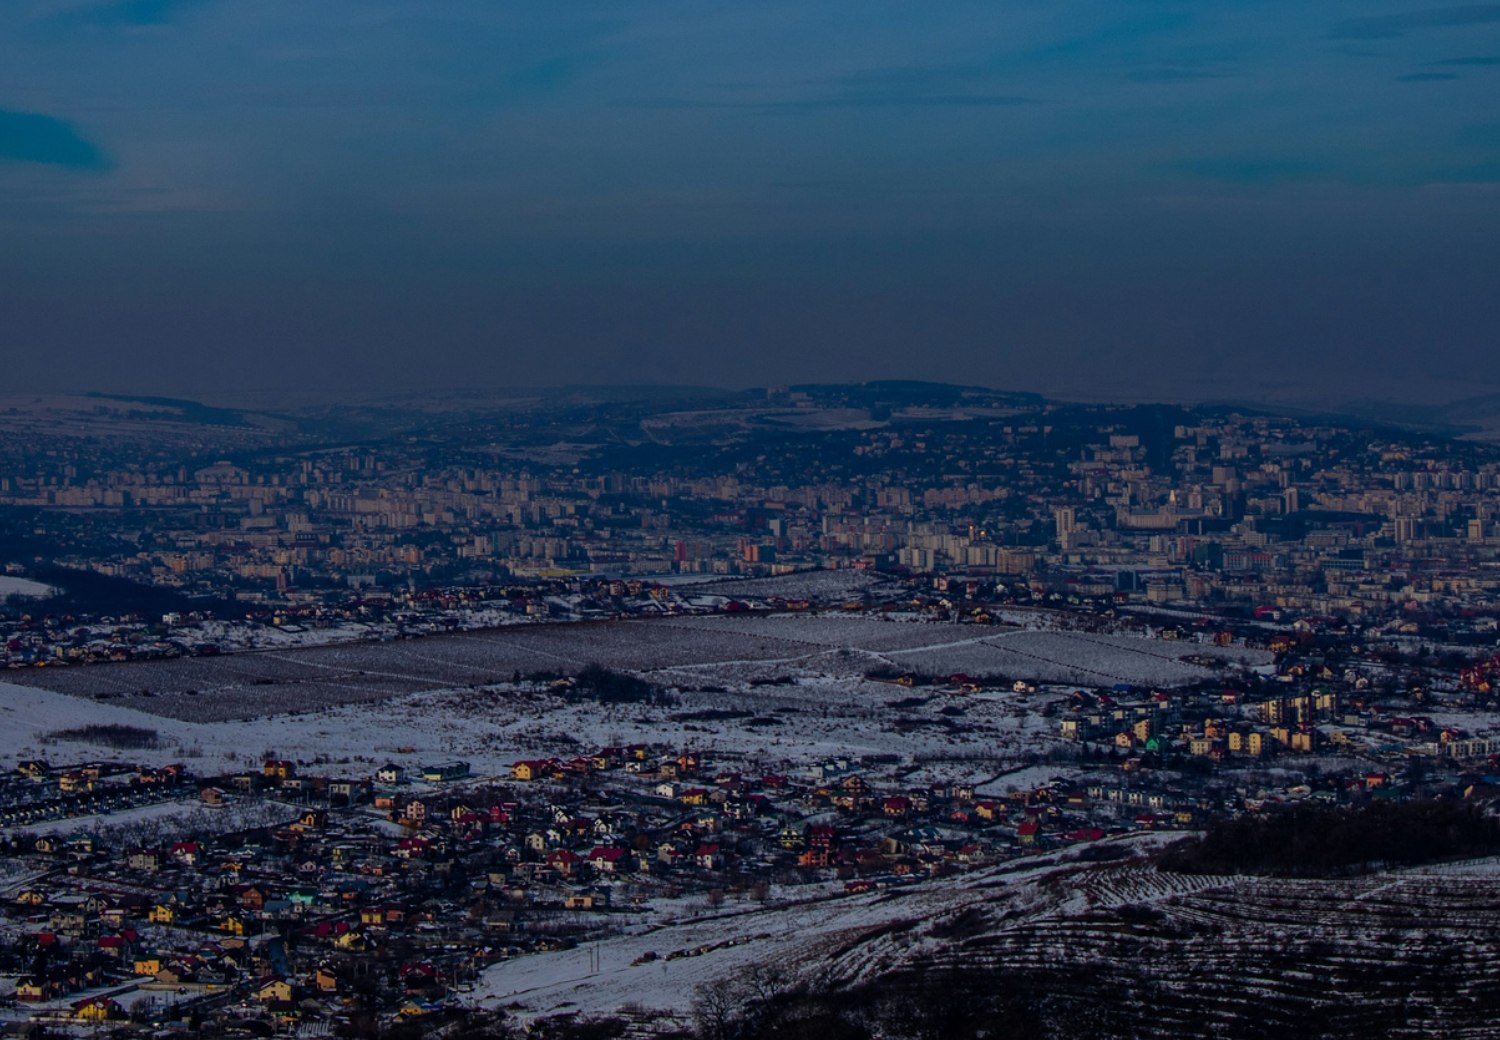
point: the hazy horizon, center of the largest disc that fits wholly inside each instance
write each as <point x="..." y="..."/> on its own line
<point x="1172" y="201"/>
<point x="1470" y="406"/>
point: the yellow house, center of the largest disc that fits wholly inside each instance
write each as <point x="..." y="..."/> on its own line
<point x="70" y="783"/>
<point x="147" y="965"/>
<point x="312" y="820"/>
<point x="274" y="989"/>
<point x="232" y="925"/>
<point x="161" y="914"/>
<point x="525" y="770"/>
<point x="97" y="1009"/>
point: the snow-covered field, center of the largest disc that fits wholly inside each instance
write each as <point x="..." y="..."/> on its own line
<point x="779" y="692"/>
<point x="820" y="584"/>
<point x="165" y="821"/>
<point x="854" y="644"/>
<point x="241" y="636"/>
<point x="794" y="725"/>
<point x="788" y="728"/>
<point x="690" y="650"/>
<point x="13" y="586"/>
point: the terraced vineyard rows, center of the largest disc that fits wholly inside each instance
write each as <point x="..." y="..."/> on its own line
<point x="1397" y="955"/>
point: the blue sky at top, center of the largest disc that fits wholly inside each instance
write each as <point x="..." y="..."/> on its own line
<point x="747" y="192"/>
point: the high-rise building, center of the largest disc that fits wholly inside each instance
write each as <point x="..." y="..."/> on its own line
<point x="1067" y="526"/>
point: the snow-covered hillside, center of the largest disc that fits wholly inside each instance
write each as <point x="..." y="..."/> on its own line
<point x="1406" y="954"/>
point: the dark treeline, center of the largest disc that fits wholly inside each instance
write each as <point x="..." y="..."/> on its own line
<point x="85" y="592"/>
<point x="602" y="684"/>
<point x="109" y="734"/>
<point x="1323" y="841"/>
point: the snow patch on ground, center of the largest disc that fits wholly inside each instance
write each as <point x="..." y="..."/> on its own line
<point x="25" y="587"/>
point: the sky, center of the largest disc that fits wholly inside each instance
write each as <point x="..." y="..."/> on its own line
<point x="1144" y="198"/>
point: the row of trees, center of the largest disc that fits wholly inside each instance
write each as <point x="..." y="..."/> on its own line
<point x="107" y="734"/>
<point x="607" y="686"/>
<point x="1324" y="841"/>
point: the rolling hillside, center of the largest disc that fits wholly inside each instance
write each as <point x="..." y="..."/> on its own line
<point x="1067" y="950"/>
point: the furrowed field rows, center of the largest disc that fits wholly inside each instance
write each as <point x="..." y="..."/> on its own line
<point x="677" y="651"/>
<point x="1410" y="955"/>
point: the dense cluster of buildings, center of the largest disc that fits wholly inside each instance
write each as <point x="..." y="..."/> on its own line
<point x="350" y="898"/>
<point x="386" y="894"/>
<point x="1169" y="506"/>
<point x="284" y="899"/>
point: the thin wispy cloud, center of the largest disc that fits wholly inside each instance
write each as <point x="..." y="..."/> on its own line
<point x="1426" y="77"/>
<point x="1171" y="75"/>
<point x="907" y="78"/>
<point x="1484" y="135"/>
<point x="1117" y="35"/>
<point x="1240" y="171"/>
<point x="1478" y="173"/>
<point x="1379" y="27"/>
<point x="972" y="85"/>
<point x="893" y="87"/>
<point x="813" y="104"/>
<point x="1477" y="60"/>
<point x="915" y="101"/>
<point x="31" y="137"/>
<point x="125" y="13"/>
